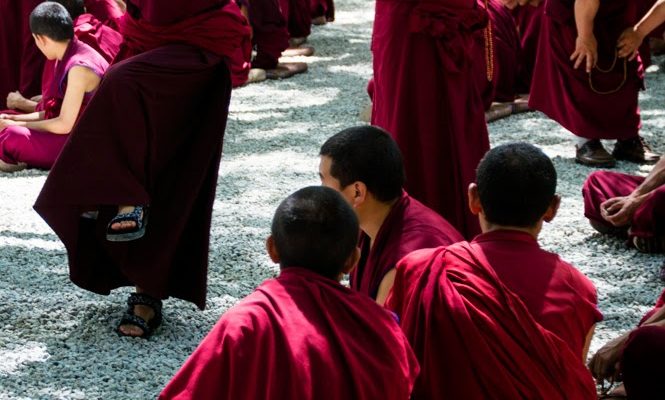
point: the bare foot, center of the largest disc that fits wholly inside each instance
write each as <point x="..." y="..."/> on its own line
<point x="7" y="167"/>
<point x="144" y="312"/>
<point x="321" y="20"/>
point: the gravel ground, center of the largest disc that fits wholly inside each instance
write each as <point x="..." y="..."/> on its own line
<point x="58" y="342"/>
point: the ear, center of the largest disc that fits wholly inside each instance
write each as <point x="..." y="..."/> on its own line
<point x="359" y="194"/>
<point x="272" y="250"/>
<point x="552" y="209"/>
<point x="352" y="261"/>
<point x="474" y="199"/>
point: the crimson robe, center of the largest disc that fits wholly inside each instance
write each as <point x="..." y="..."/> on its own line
<point x="21" y="62"/>
<point x="566" y="94"/>
<point x="409" y="226"/>
<point x="299" y="17"/>
<point x="300" y="336"/>
<point x="528" y="20"/>
<point x="474" y="337"/>
<point x="94" y="33"/>
<point x="107" y="11"/>
<point x="323" y="8"/>
<point x="426" y="96"/>
<point x="649" y="218"/>
<point x="159" y="129"/>
<point x="271" y="35"/>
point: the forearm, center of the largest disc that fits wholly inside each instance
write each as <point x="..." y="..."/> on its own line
<point x="35" y="116"/>
<point x="585" y="13"/>
<point x="652" y="19"/>
<point x="27" y="105"/>
<point x="55" y="125"/>
<point x="654" y="180"/>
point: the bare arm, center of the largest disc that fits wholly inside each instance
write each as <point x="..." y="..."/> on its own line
<point x="587" y="342"/>
<point x="632" y="38"/>
<point x="586" y="47"/>
<point x="35" y="116"/>
<point x="16" y="101"/>
<point x="385" y="286"/>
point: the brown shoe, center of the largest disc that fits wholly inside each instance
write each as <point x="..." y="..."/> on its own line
<point x="635" y="150"/>
<point x="593" y="154"/>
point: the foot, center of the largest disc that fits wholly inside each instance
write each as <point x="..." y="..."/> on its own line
<point x="124" y="225"/>
<point x="299" y="51"/>
<point x="143" y="316"/>
<point x="593" y="154"/>
<point x="654" y="244"/>
<point x="297" y="41"/>
<point x="145" y="313"/>
<point x="607" y="229"/>
<point x="498" y="111"/>
<point x="286" y="70"/>
<point x="635" y="150"/>
<point x="521" y="104"/>
<point x="321" y="20"/>
<point x="128" y="224"/>
<point x="256" y="75"/>
<point x="8" y="167"/>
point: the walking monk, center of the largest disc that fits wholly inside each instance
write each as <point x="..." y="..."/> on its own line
<point x="303" y="335"/>
<point x="365" y="165"/>
<point x="36" y="139"/>
<point x="499" y="317"/>
<point x="582" y="82"/>
<point x="143" y="149"/>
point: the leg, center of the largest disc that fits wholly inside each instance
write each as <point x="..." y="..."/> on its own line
<point x="601" y="186"/>
<point x="642" y="364"/>
<point x="20" y="145"/>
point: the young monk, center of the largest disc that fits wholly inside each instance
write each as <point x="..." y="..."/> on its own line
<point x="621" y="204"/>
<point x="582" y="82"/>
<point x="365" y="165"/>
<point x="499" y="317"/>
<point x="149" y="130"/>
<point x="35" y="140"/>
<point x="88" y="30"/>
<point x="303" y="335"/>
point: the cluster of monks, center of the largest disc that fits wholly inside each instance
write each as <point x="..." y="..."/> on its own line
<point x="450" y="294"/>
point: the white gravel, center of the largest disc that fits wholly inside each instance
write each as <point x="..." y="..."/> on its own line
<point x="58" y="342"/>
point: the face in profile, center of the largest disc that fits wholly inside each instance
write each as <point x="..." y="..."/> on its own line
<point x="330" y="181"/>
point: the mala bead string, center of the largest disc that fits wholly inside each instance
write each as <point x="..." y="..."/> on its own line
<point x="610" y="69"/>
<point x="489" y="47"/>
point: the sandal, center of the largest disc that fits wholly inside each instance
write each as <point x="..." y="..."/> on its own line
<point x="139" y="216"/>
<point x="129" y="318"/>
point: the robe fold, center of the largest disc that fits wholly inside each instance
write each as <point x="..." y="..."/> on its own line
<point x="161" y="149"/>
<point x="39" y="149"/>
<point x="323" y="8"/>
<point x="271" y="35"/>
<point x="21" y="62"/>
<point x="300" y="336"/>
<point x="94" y="33"/>
<point x="299" y="18"/>
<point x="426" y="96"/>
<point x="106" y="11"/>
<point x="648" y="220"/>
<point x="528" y="20"/>
<point x="409" y="226"/>
<point x="474" y="338"/>
<point x="603" y="105"/>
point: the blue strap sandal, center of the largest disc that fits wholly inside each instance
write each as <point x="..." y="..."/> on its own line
<point x="140" y="218"/>
<point x="130" y="318"/>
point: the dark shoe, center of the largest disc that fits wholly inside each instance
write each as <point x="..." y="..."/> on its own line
<point x="635" y="150"/>
<point x="129" y="318"/>
<point x="654" y="244"/>
<point x="140" y="218"/>
<point x="593" y="154"/>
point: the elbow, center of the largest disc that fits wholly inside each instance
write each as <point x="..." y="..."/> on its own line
<point x="62" y="127"/>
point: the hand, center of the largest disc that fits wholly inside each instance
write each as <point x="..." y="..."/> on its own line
<point x="586" y="49"/>
<point x="14" y="100"/>
<point x="6" y="122"/>
<point x="619" y="211"/>
<point x="629" y="41"/>
<point x="605" y="363"/>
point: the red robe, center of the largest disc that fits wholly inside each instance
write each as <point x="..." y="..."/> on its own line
<point x="426" y="96"/>
<point x="474" y="337"/>
<point x="649" y="218"/>
<point x="107" y="11"/>
<point x="323" y="8"/>
<point x="159" y="128"/>
<point x="528" y="20"/>
<point x="21" y="62"/>
<point x="409" y="226"/>
<point x="298" y="16"/>
<point x="300" y="336"/>
<point x="100" y="37"/>
<point x="566" y="95"/>
<point x="271" y="35"/>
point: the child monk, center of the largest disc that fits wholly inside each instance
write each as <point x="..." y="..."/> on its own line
<point x="499" y="317"/>
<point x="303" y="335"/>
<point x="35" y="140"/>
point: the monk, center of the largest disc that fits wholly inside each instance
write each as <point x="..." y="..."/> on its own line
<point x="365" y="165"/>
<point x="636" y="357"/>
<point x="620" y="204"/>
<point x="98" y="202"/>
<point x="35" y="140"/>
<point x="303" y="335"/>
<point x="498" y="317"/>
<point x="21" y="62"/>
<point x="582" y="82"/>
<point x="88" y="30"/>
<point x="106" y="11"/>
<point x="631" y="40"/>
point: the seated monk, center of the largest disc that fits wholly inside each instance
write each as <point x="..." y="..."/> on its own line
<point x="621" y="204"/>
<point x="35" y="140"/>
<point x="365" y="165"/>
<point x="303" y="335"/>
<point x="499" y="317"/>
<point x="88" y="30"/>
<point x="107" y="11"/>
<point x="636" y="356"/>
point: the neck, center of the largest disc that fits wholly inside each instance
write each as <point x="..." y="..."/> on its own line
<point x="372" y="217"/>
<point x="534" y="231"/>
<point x="61" y="49"/>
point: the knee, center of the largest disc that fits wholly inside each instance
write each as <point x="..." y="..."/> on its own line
<point x="14" y="138"/>
<point x="643" y="360"/>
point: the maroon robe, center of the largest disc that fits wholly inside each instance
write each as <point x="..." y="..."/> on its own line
<point x="528" y="20"/>
<point x="642" y="366"/>
<point x="566" y="95"/>
<point x="107" y="11"/>
<point x="474" y="337"/>
<point x="298" y="17"/>
<point x="648" y="220"/>
<point x="426" y="96"/>
<point x="271" y="35"/>
<point x="146" y="142"/>
<point x="94" y="33"/>
<point x="21" y="62"/>
<point x="323" y="8"/>
<point x="300" y="336"/>
<point x="409" y="226"/>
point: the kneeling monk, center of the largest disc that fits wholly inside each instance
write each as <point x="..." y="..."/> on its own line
<point x="499" y="317"/>
<point x="36" y="139"/>
<point x="303" y="335"/>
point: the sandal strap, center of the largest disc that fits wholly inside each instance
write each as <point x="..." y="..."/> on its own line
<point x="131" y="319"/>
<point x="142" y="299"/>
<point x="137" y="216"/>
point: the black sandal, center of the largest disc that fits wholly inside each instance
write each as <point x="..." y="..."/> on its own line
<point x="140" y="218"/>
<point x="129" y="318"/>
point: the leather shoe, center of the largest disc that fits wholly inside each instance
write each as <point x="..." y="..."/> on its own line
<point x="635" y="150"/>
<point x="593" y="154"/>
